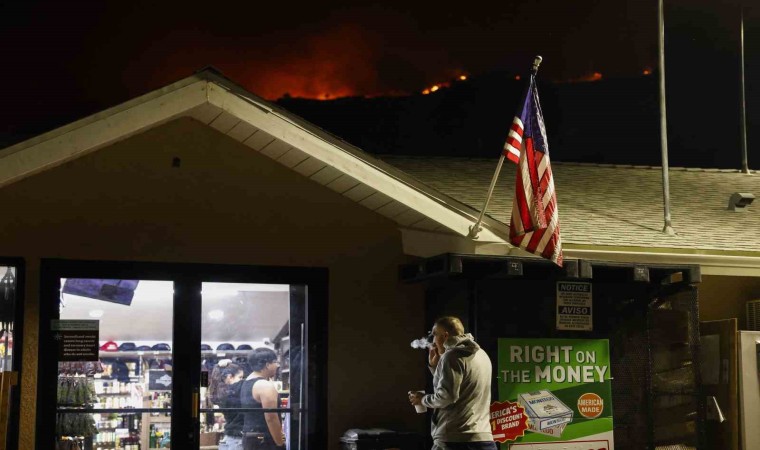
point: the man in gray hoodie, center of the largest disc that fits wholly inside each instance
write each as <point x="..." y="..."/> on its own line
<point x="462" y="389"/>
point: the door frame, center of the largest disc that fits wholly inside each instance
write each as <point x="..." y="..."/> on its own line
<point x="186" y="355"/>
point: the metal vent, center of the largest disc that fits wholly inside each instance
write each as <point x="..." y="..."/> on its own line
<point x="753" y="315"/>
<point x="739" y="201"/>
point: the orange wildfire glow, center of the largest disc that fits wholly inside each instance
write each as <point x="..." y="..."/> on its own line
<point x="594" y="76"/>
<point x="322" y="68"/>
<point x="445" y="84"/>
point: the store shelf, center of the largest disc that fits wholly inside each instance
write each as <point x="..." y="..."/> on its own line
<point x="131" y="377"/>
<point x="222" y="353"/>
<point x="159" y="419"/>
<point x="149" y="354"/>
<point x="153" y="354"/>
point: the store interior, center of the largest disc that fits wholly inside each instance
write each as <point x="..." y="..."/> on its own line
<point x="7" y="316"/>
<point x="131" y="383"/>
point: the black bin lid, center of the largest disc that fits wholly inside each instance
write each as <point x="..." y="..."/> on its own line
<point x="368" y="434"/>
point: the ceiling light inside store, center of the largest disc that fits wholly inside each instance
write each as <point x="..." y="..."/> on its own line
<point x="218" y="291"/>
<point x="96" y="313"/>
<point x="216" y="314"/>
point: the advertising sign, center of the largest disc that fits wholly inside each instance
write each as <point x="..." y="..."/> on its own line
<point x="159" y="380"/>
<point x="77" y="339"/>
<point x="553" y="393"/>
<point x="574" y="303"/>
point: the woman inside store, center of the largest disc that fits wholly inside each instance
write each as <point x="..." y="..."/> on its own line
<point x="229" y="397"/>
<point x="261" y="430"/>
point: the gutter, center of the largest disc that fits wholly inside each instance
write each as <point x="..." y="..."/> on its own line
<point x="724" y="265"/>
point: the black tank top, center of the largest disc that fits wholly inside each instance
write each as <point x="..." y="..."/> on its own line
<point x="253" y="420"/>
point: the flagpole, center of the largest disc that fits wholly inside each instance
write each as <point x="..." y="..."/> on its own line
<point x="668" y="227"/>
<point x="745" y="165"/>
<point x="476" y="228"/>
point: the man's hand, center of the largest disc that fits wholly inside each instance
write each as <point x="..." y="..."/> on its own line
<point x="415" y="398"/>
<point x="433" y="356"/>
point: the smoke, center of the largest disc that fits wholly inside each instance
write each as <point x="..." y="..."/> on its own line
<point x="422" y="343"/>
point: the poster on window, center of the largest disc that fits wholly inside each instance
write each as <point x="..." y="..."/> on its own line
<point x="553" y="393"/>
<point x="77" y="339"/>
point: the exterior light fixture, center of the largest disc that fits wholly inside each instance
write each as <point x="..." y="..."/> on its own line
<point x="739" y="201"/>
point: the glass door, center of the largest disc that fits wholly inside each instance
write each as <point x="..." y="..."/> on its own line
<point x="115" y="364"/>
<point x="148" y="356"/>
<point x="251" y="376"/>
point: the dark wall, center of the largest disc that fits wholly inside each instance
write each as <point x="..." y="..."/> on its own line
<point x="525" y="308"/>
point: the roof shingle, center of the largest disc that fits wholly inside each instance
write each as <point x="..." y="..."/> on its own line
<point x="612" y="205"/>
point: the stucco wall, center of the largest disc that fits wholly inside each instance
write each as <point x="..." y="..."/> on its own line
<point x="227" y="204"/>
<point x="725" y="297"/>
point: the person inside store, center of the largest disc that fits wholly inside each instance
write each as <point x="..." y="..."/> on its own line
<point x="261" y="430"/>
<point x="461" y="395"/>
<point x="229" y="397"/>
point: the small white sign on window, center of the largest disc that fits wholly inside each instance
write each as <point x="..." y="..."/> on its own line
<point x="574" y="306"/>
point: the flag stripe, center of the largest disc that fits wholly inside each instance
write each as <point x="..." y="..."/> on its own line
<point x="535" y="218"/>
<point x="514" y="141"/>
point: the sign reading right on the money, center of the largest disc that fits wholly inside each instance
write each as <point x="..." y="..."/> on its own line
<point x="562" y="387"/>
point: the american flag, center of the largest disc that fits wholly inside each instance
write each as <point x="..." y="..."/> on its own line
<point x="535" y="220"/>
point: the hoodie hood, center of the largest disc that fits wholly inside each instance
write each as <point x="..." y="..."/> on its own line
<point x="464" y="343"/>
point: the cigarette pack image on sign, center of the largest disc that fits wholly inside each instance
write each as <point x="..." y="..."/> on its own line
<point x="544" y="409"/>
<point x="555" y="431"/>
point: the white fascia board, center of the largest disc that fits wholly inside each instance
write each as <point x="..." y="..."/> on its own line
<point x="725" y="265"/>
<point x="98" y="131"/>
<point x="263" y="117"/>
<point x="425" y="244"/>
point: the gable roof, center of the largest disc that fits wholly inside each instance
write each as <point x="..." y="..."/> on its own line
<point x="614" y="206"/>
<point x="266" y="128"/>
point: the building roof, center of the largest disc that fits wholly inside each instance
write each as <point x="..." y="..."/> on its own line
<point x="610" y="209"/>
<point x="216" y="101"/>
<point x="615" y="206"/>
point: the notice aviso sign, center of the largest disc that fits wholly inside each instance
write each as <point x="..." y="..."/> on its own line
<point x="553" y="392"/>
<point x="574" y="302"/>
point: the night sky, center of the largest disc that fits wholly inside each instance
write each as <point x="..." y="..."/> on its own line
<point x="65" y="60"/>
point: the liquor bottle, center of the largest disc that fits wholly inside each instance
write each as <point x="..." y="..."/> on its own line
<point x="167" y="403"/>
<point x="152" y="438"/>
<point x="154" y="404"/>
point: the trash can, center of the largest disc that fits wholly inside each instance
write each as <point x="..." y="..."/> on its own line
<point x="380" y="439"/>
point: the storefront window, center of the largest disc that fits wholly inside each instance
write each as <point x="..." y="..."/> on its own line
<point x="10" y="357"/>
<point x="7" y="316"/>
<point x="115" y="361"/>
<point x="142" y="363"/>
